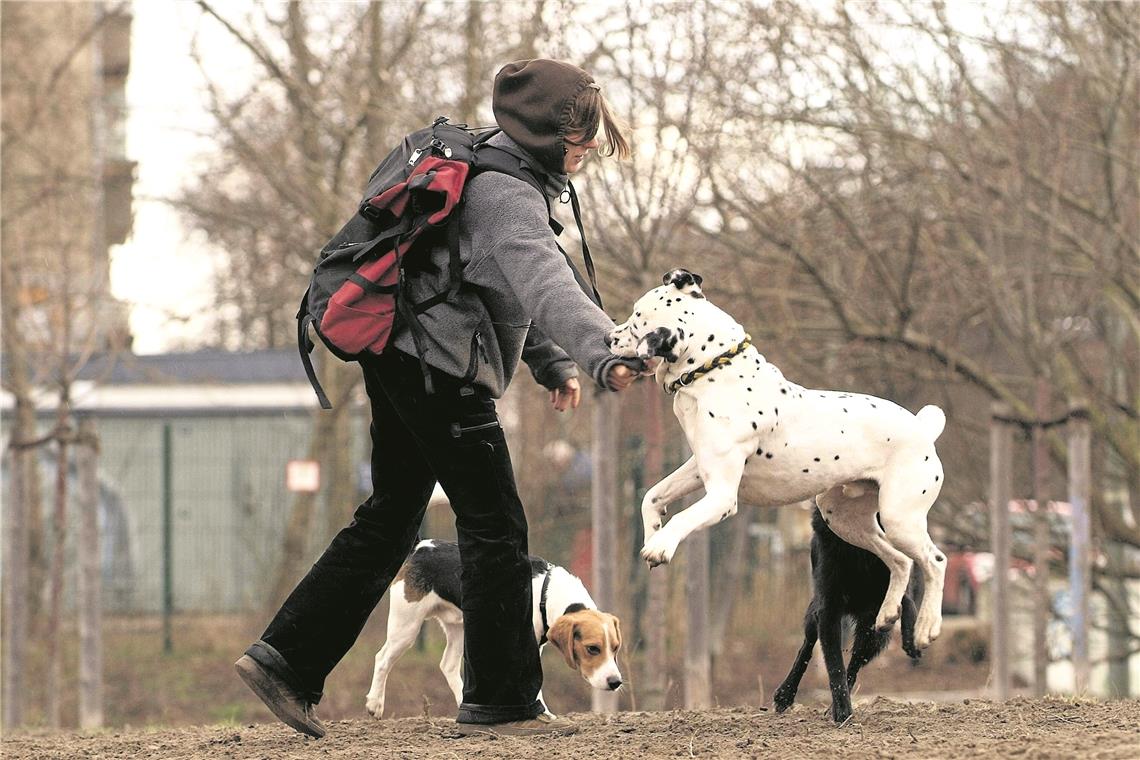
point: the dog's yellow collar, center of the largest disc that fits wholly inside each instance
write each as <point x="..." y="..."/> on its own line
<point x="709" y="366"/>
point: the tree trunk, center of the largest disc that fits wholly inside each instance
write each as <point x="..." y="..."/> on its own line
<point x="90" y="586"/>
<point x="54" y="634"/>
<point x="604" y="522"/>
<point x="655" y="665"/>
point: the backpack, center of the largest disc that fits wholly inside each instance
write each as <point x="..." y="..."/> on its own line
<point x="354" y="298"/>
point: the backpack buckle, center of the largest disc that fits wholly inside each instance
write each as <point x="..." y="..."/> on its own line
<point x="370" y="212"/>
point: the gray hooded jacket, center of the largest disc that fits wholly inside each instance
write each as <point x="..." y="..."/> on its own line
<point x="519" y="298"/>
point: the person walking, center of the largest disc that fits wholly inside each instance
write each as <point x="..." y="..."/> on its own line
<point x="521" y="298"/>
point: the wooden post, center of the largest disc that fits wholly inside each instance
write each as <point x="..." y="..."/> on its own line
<point x="698" y="677"/>
<point x="1080" y="554"/>
<point x="1001" y="489"/>
<point x="15" y="579"/>
<point x="1042" y="604"/>
<point x="90" y="584"/>
<point x="604" y="525"/>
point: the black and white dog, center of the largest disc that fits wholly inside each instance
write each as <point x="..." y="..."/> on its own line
<point x="760" y="438"/>
<point x="848" y="583"/>
<point x="427" y="587"/>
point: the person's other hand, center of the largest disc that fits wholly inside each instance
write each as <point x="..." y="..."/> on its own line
<point x="620" y="377"/>
<point x="568" y="396"/>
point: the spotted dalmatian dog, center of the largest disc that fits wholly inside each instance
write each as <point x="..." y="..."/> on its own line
<point x="759" y="438"/>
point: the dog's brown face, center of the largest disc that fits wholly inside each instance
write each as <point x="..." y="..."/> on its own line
<point x="590" y="640"/>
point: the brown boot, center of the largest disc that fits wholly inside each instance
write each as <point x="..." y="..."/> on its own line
<point x="278" y="696"/>
<point x="543" y="725"/>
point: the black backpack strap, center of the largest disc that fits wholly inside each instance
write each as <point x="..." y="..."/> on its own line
<point x="305" y="347"/>
<point x="406" y="310"/>
<point x="585" y="246"/>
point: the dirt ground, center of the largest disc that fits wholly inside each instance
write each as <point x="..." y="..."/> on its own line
<point x="880" y="728"/>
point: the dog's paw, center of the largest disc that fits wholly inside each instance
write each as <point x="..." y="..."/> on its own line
<point x="375" y="707"/>
<point x="658" y="550"/>
<point x="886" y="621"/>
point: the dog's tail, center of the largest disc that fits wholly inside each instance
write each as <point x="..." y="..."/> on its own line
<point x="933" y="421"/>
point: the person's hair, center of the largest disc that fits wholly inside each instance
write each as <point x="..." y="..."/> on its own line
<point x="589" y="111"/>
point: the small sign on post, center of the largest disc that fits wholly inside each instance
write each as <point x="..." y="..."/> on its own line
<point x="303" y="475"/>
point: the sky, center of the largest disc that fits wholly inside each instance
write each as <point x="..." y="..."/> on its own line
<point x="163" y="272"/>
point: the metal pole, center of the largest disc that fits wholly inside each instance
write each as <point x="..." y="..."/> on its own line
<point x="603" y="520"/>
<point x="167" y="537"/>
<point x="1080" y="557"/>
<point x="1001" y="489"/>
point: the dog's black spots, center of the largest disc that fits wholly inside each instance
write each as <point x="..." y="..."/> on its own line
<point x="692" y="361"/>
<point x="836" y="457"/>
<point x="805" y="469"/>
<point x="711" y="338"/>
<point x="680" y="334"/>
<point x="926" y="459"/>
<point x="874" y="407"/>
<point x="749" y="389"/>
<point x="712" y="379"/>
<point x="768" y="455"/>
<point x="637" y="314"/>
<point x="754" y="427"/>
<point x="694" y="294"/>
<point x="935" y="478"/>
<point x="841" y="432"/>
<point x="712" y="415"/>
<point x="702" y="348"/>
<point x="845" y="410"/>
<point x="888" y="440"/>
<point x="760" y="451"/>
<point x="777" y="410"/>
<point x="784" y="390"/>
<point x="761" y="411"/>
<point x="817" y="459"/>
<point x="924" y="490"/>
<point x="939" y="558"/>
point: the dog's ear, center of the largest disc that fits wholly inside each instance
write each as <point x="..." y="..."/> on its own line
<point x="617" y="631"/>
<point x="684" y="280"/>
<point x="562" y="635"/>
<point x="660" y="342"/>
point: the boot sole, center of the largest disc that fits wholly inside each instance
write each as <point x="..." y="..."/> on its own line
<point x="495" y="729"/>
<point x="261" y="685"/>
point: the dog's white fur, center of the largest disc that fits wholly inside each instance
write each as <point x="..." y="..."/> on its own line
<point x="568" y="632"/>
<point x="757" y="436"/>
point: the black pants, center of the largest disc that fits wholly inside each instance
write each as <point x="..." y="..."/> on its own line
<point x="452" y="436"/>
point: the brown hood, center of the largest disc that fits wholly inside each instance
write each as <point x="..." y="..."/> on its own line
<point x="532" y="101"/>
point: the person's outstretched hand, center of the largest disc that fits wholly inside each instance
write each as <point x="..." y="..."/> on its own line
<point x="621" y="377"/>
<point x="567" y="396"/>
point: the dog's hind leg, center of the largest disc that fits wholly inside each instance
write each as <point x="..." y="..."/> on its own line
<point x="904" y="520"/>
<point x="831" y="642"/>
<point x="786" y="693"/>
<point x="907" y="625"/>
<point x="404" y="621"/>
<point x="868" y="643"/>
<point x="684" y="480"/>
<point x="855" y="521"/>
<point x="453" y="658"/>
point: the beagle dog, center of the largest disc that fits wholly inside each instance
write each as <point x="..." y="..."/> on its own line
<point x="427" y="586"/>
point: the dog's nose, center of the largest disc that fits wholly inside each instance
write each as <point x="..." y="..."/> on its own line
<point x="613" y="682"/>
<point x="609" y="339"/>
